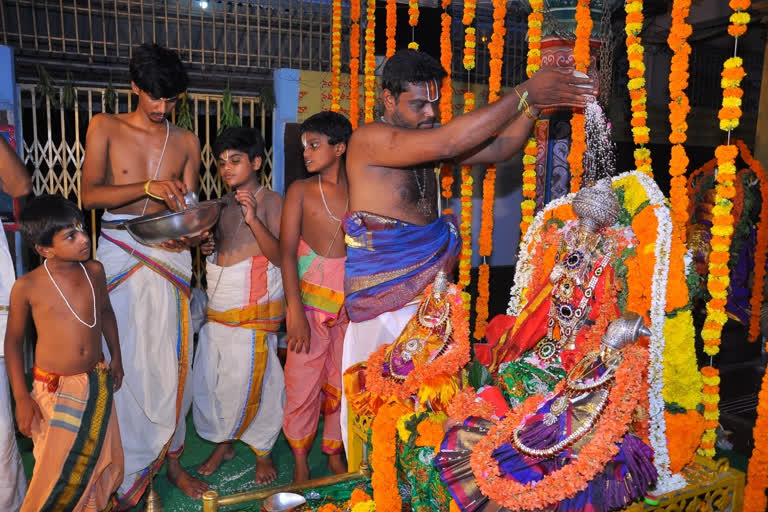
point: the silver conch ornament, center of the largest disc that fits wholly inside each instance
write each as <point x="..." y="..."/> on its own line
<point x="623" y="331"/>
<point x="597" y="206"/>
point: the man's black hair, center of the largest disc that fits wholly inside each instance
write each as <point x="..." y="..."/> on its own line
<point x="410" y="67"/>
<point x="46" y="215"/>
<point x="333" y="125"/>
<point x="158" y="71"/>
<point x="246" y="140"/>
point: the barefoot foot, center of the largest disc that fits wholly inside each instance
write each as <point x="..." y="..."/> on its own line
<point x="265" y="470"/>
<point x="300" y="469"/>
<point x="337" y="464"/>
<point x="189" y="485"/>
<point x="223" y="452"/>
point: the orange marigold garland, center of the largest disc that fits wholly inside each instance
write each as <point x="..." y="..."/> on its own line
<point x="413" y="20"/>
<point x="485" y="244"/>
<point x="383" y="456"/>
<point x="336" y="55"/>
<point x="528" y="205"/>
<point x="679" y="108"/>
<point x="581" y="62"/>
<point x="465" y="217"/>
<point x="757" y="471"/>
<point x="354" y="63"/>
<point x="761" y="246"/>
<point x="391" y="27"/>
<point x="370" y="60"/>
<point x="637" y="93"/>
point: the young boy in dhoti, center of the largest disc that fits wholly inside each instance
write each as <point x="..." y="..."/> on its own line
<point x="313" y="255"/>
<point x="70" y="414"/>
<point x="238" y="385"/>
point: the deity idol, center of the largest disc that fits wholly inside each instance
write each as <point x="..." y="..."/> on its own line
<point x="575" y="452"/>
<point x="532" y="352"/>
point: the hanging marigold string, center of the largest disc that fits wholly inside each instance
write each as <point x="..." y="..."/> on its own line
<point x="391" y="27"/>
<point x="469" y="34"/>
<point x="336" y="55"/>
<point x="485" y="243"/>
<point x="637" y="93"/>
<point x="679" y="108"/>
<point x="413" y="20"/>
<point x="581" y="63"/>
<point x="354" y="63"/>
<point x="370" y="60"/>
<point x="761" y="246"/>
<point x="718" y="278"/>
<point x="446" y="93"/>
<point x="465" y="218"/>
<point x="528" y="205"/>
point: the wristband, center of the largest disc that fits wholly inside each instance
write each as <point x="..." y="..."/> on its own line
<point x="150" y="194"/>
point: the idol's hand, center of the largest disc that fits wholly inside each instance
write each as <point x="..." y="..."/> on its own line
<point x="559" y="88"/>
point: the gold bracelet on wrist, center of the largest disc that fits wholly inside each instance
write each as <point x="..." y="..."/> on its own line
<point x="150" y="194"/>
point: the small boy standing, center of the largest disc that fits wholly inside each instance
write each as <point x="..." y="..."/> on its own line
<point x="70" y="414"/>
<point x="313" y="254"/>
<point x="238" y="385"/>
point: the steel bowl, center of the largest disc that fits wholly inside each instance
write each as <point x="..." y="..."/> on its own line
<point x="283" y="502"/>
<point x="161" y="227"/>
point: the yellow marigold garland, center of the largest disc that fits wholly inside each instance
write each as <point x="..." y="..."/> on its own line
<point x="581" y="62"/>
<point x="740" y="18"/>
<point x="354" y="63"/>
<point x="370" y="60"/>
<point x="446" y="93"/>
<point x="413" y="20"/>
<point x="679" y="108"/>
<point x="528" y="205"/>
<point x="391" y="27"/>
<point x="465" y="217"/>
<point x="469" y="34"/>
<point x="718" y="278"/>
<point x="637" y="93"/>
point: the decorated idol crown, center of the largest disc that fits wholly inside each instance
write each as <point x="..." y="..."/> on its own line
<point x="623" y="331"/>
<point x="597" y="206"/>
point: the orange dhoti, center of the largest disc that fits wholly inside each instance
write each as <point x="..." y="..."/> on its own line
<point x="78" y="452"/>
<point x="313" y="380"/>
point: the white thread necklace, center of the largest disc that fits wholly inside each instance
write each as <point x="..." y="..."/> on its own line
<point x="322" y="196"/>
<point x="93" y="295"/>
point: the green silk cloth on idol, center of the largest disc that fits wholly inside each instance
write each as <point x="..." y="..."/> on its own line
<point x="428" y="493"/>
<point x="529" y="376"/>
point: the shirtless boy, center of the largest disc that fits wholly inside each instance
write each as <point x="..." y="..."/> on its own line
<point x="71" y="400"/>
<point x="135" y="164"/>
<point x="313" y="255"/>
<point x="238" y="384"/>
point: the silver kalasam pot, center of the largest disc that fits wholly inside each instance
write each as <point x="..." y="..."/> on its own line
<point x="160" y="227"/>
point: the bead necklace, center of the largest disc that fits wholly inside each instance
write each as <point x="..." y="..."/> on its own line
<point x="93" y="295"/>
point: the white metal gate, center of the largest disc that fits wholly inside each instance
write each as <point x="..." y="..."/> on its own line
<point x="52" y="137"/>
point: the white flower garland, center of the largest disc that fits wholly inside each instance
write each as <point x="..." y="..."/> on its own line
<point x="523" y="267"/>
<point x="667" y="481"/>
